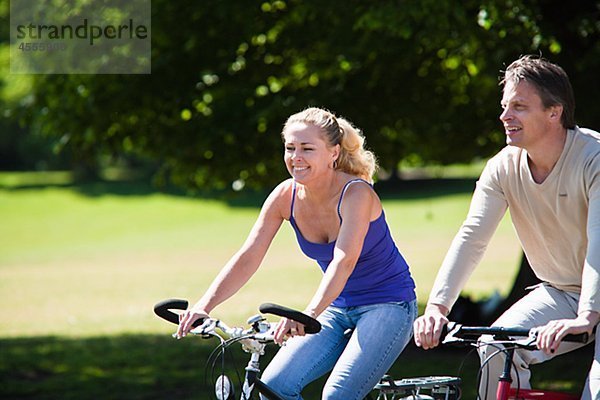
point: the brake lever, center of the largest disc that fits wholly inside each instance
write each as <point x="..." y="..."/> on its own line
<point x="207" y="327"/>
<point x="449" y="339"/>
<point x="266" y="335"/>
<point x="528" y="343"/>
<point x="203" y="330"/>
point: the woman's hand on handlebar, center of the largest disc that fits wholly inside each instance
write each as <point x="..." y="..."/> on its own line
<point x="428" y="327"/>
<point x="187" y="318"/>
<point x="287" y="328"/>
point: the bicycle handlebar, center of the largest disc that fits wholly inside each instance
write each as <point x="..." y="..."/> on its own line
<point x="163" y="310"/>
<point x="311" y="325"/>
<point x="473" y="332"/>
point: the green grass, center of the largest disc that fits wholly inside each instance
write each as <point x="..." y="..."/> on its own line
<point x="92" y="259"/>
<point x="81" y="266"/>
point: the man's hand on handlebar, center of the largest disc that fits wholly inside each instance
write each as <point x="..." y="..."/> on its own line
<point x="550" y="335"/>
<point x="186" y="319"/>
<point x="428" y="327"/>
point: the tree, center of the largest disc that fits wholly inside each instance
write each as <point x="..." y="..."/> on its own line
<point x="419" y="77"/>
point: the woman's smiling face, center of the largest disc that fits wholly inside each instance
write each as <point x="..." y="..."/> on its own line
<point x="307" y="155"/>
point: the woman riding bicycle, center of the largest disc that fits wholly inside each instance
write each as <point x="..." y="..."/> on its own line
<point x="339" y="222"/>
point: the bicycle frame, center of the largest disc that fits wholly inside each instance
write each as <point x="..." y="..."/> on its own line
<point x="528" y="394"/>
<point x="506" y="392"/>
<point x="251" y="381"/>
<point x="502" y="335"/>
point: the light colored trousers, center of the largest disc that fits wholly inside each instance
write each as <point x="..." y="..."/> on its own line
<point x="357" y="344"/>
<point x="542" y="305"/>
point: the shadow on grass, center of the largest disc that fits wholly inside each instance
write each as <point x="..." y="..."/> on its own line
<point x="390" y="189"/>
<point x="159" y="367"/>
<point x="129" y="187"/>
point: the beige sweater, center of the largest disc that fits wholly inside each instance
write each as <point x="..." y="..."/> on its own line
<point x="557" y="221"/>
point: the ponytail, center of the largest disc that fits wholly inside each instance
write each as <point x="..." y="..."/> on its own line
<point x="354" y="159"/>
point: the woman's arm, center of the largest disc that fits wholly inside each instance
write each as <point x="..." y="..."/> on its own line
<point x="240" y="268"/>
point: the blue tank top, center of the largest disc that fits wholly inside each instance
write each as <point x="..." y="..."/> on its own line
<point x="381" y="274"/>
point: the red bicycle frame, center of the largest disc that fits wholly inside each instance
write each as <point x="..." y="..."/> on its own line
<point x="526" y="394"/>
<point x="505" y="392"/>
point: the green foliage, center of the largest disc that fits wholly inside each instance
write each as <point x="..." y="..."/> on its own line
<point x="418" y="76"/>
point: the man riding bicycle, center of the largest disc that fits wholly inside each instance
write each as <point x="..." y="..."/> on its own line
<point x="549" y="178"/>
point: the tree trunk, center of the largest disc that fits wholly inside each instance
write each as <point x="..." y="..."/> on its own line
<point x="85" y="168"/>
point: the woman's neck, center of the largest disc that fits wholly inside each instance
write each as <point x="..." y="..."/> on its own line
<point x="324" y="189"/>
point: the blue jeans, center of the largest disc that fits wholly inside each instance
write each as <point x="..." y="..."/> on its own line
<point x="357" y="361"/>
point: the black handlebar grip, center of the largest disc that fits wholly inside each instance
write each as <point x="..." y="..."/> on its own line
<point x="578" y="338"/>
<point x="311" y="325"/>
<point x="163" y="310"/>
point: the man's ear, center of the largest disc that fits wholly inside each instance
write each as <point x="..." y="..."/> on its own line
<point x="556" y="112"/>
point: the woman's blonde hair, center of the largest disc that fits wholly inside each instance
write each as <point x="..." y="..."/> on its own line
<point x="354" y="159"/>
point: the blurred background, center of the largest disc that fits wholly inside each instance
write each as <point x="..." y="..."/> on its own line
<point x="117" y="191"/>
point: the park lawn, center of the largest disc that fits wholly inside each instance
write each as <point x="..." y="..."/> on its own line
<point x="82" y="265"/>
<point x="92" y="259"/>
